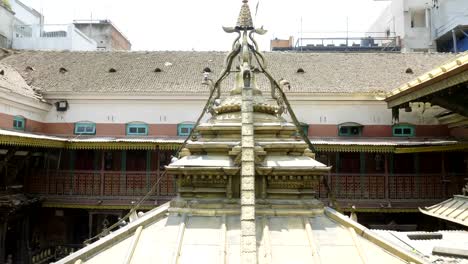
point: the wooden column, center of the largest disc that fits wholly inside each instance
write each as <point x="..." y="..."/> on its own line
<point x="3" y="231"/>
<point x="90" y="224"/>
<point x="337" y="171"/>
<point x="101" y="173"/>
<point x="158" y="172"/>
<point x="72" y="170"/>
<point x="444" y="174"/>
<point x="123" y="172"/>
<point x="386" y="177"/>
<point x="362" y="170"/>
<point x="47" y="161"/>
<point x="148" y="170"/>
<point x="417" y="180"/>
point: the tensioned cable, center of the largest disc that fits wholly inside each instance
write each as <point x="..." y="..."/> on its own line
<point x="330" y="194"/>
<point x="216" y="87"/>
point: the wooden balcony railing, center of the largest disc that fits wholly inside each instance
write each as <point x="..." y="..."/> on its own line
<point x="344" y="185"/>
<point x="395" y="186"/>
<point x="99" y="183"/>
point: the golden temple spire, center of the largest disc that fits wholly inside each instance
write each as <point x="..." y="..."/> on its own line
<point x="244" y="21"/>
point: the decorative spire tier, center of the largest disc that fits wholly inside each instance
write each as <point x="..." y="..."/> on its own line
<point x="247" y="156"/>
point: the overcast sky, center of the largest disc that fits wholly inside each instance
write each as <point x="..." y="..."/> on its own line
<point x="196" y="24"/>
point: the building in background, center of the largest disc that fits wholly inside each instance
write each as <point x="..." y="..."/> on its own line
<point x="7" y="19"/>
<point x="107" y="36"/>
<point x="423" y="25"/>
<point x="14" y="13"/>
<point x="22" y="27"/>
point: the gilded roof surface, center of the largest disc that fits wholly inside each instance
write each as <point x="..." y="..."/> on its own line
<point x="181" y="72"/>
<point x="455" y="239"/>
<point x="455" y="210"/>
<point x="156" y="238"/>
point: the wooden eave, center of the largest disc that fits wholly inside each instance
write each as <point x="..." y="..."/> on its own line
<point x="12" y="140"/>
<point x="440" y="78"/>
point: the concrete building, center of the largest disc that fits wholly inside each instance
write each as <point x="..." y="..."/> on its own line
<point x="278" y="44"/>
<point x="25" y="15"/>
<point x="423" y="25"/>
<point x="105" y="33"/>
<point x="52" y="37"/>
<point x="7" y="18"/>
<point x="12" y="14"/>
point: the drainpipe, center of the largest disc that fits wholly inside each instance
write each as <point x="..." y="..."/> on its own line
<point x="454" y="37"/>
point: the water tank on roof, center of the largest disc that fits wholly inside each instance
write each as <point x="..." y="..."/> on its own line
<point x="367" y="42"/>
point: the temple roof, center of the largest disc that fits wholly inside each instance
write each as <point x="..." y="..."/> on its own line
<point x="428" y="245"/>
<point x="180" y="72"/>
<point x="323" y="238"/>
<point x="454" y="210"/>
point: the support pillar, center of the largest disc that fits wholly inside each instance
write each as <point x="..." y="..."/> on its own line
<point x="248" y="234"/>
<point x="148" y="170"/>
<point x="362" y="172"/>
<point x="417" y="180"/>
<point x="123" y="172"/>
<point x="72" y="170"/>
<point x="386" y="171"/>
<point x="3" y="231"/>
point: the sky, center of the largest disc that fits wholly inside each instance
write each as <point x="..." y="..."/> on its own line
<point x="196" y="24"/>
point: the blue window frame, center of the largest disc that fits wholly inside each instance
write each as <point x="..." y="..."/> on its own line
<point x="184" y="129"/>
<point x="85" y="128"/>
<point x="403" y="131"/>
<point x="305" y="128"/>
<point x="19" y="123"/>
<point x="137" y="129"/>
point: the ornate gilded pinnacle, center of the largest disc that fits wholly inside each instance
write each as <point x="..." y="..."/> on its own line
<point x="244" y="22"/>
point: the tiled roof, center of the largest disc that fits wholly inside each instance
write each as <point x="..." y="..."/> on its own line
<point x="187" y="238"/>
<point x="180" y="72"/>
<point x="447" y="67"/>
<point x="424" y="247"/>
<point x="455" y="210"/>
<point x="12" y="81"/>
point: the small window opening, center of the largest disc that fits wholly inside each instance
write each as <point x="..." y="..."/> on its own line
<point x="409" y="71"/>
<point x="403" y="131"/>
<point x="206" y="69"/>
<point x="157" y="70"/>
<point x="350" y="130"/>
<point x="18" y="123"/>
<point x="29" y="68"/>
<point x="112" y="70"/>
<point x="300" y="70"/>
<point x="63" y="70"/>
<point x="2" y="72"/>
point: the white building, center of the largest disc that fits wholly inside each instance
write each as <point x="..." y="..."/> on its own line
<point x="424" y="25"/>
<point x="52" y="37"/>
<point x="22" y="27"/>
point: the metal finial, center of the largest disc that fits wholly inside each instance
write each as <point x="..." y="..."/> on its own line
<point x="244" y="22"/>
